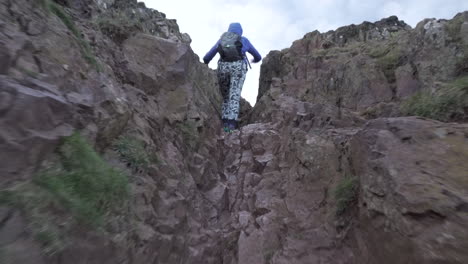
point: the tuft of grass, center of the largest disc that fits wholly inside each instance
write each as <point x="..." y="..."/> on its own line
<point x="85" y="48"/>
<point x="345" y="194"/>
<point x="84" y="183"/>
<point x="389" y="62"/>
<point x="388" y="56"/>
<point x="450" y="103"/>
<point x="132" y="151"/>
<point x="379" y="51"/>
<point x="453" y="28"/>
<point x="80" y="184"/>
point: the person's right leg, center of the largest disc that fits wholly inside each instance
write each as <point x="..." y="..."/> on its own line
<point x="224" y="80"/>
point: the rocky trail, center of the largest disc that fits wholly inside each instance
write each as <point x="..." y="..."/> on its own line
<point x="111" y="149"/>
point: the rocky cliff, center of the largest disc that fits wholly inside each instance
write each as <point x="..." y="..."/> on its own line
<point x="111" y="149"/>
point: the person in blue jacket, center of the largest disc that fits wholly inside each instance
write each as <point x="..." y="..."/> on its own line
<point x="231" y="75"/>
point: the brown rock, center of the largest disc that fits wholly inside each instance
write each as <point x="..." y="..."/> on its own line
<point x="33" y="122"/>
<point x="413" y="176"/>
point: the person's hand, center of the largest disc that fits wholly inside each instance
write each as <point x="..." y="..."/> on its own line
<point x="253" y="61"/>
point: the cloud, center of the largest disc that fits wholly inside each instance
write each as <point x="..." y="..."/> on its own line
<point x="275" y="24"/>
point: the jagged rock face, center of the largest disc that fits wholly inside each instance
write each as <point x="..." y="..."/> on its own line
<point x="371" y="67"/>
<point x="266" y="193"/>
<point x="410" y="195"/>
<point x="413" y="197"/>
<point x="148" y="85"/>
<point x="280" y="182"/>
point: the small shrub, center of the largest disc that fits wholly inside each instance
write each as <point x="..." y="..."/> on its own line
<point x="450" y="103"/>
<point x="132" y="151"/>
<point x="345" y="194"/>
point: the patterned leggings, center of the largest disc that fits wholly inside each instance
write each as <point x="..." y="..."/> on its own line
<point x="231" y="77"/>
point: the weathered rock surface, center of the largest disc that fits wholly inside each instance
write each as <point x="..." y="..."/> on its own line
<point x="265" y="193"/>
<point x="148" y="85"/>
<point x="371" y="67"/>
<point x="413" y="197"/>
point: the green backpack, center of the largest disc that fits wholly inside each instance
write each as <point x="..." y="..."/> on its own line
<point x="230" y="47"/>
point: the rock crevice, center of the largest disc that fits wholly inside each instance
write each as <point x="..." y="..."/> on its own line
<point x="325" y="169"/>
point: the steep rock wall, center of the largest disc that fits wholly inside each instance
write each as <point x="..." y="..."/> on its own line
<point x="318" y="174"/>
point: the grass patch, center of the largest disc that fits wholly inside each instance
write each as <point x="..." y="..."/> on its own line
<point x="345" y="194"/>
<point x="84" y="182"/>
<point x="389" y="62"/>
<point x="133" y="152"/>
<point x="80" y="188"/>
<point x="448" y="104"/>
<point x="453" y="28"/>
<point x="388" y="57"/>
<point x="380" y="51"/>
<point x="85" y="48"/>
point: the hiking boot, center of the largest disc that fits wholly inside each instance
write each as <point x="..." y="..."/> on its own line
<point x="225" y="125"/>
<point x="232" y="125"/>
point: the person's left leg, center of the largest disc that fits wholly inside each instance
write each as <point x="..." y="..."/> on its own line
<point x="238" y="73"/>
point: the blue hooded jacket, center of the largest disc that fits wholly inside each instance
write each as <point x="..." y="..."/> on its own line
<point x="246" y="45"/>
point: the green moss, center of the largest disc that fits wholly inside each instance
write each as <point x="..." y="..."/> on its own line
<point x="450" y="103"/>
<point x="85" y="48"/>
<point x="345" y="194"/>
<point x="132" y="151"/>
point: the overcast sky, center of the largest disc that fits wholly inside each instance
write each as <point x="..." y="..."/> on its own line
<point x="275" y="24"/>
